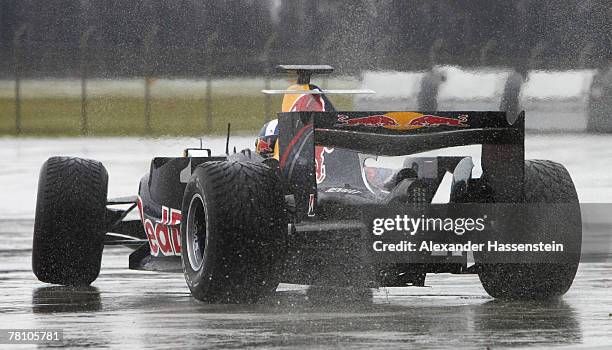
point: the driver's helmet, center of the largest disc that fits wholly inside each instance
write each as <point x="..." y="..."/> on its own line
<point x="266" y="141"/>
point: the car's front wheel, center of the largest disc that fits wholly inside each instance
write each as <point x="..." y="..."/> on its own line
<point x="69" y="223"/>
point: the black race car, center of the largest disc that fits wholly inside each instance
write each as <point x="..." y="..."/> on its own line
<point x="306" y="207"/>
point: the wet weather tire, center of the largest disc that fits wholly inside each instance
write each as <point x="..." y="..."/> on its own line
<point x="69" y="224"/>
<point x="233" y="231"/>
<point x="545" y="182"/>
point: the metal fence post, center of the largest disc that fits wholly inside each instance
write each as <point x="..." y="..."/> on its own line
<point x="209" y="72"/>
<point x="147" y="105"/>
<point x="148" y="79"/>
<point x="267" y="98"/>
<point x="208" y="102"/>
<point x="17" y="57"/>
<point x="84" y="75"/>
<point x="326" y="48"/>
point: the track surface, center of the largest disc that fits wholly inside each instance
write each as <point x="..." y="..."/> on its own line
<point x="131" y="309"/>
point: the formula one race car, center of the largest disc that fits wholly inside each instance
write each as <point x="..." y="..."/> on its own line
<point x="311" y="205"/>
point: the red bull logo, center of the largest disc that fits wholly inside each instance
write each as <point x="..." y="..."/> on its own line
<point x="264" y="146"/>
<point x="320" y="152"/>
<point x="308" y="103"/>
<point x="374" y="121"/>
<point x="434" y="120"/>
<point x="402" y="121"/>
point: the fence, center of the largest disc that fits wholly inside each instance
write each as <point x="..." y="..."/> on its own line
<point x="206" y="110"/>
<point x="203" y="104"/>
<point x="147" y="112"/>
<point x="143" y="106"/>
<point x="146" y="106"/>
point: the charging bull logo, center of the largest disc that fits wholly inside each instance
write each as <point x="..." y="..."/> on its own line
<point x="370" y="121"/>
<point x="320" y="162"/>
<point x="401" y="121"/>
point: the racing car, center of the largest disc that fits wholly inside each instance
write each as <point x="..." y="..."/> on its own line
<point x="301" y="206"/>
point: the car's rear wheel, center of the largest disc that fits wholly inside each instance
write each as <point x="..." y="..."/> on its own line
<point x="69" y="224"/>
<point x="234" y="231"/>
<point x="545" y="182"/>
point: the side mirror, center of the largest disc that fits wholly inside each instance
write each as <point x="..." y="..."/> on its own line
<point x="197" y="152"/>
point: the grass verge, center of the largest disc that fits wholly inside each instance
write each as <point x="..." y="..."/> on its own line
<point x="124" y="116"/>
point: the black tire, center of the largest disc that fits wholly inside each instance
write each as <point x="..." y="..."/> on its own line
<point x="69" y="223"/>
<point x="238" y="212"/>
<point x="545" y="182"/>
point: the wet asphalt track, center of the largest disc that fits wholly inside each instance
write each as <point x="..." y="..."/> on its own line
<point x="132" y="309"/>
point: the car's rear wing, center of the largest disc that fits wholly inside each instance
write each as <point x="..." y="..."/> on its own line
<point x="402" y="133"/>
